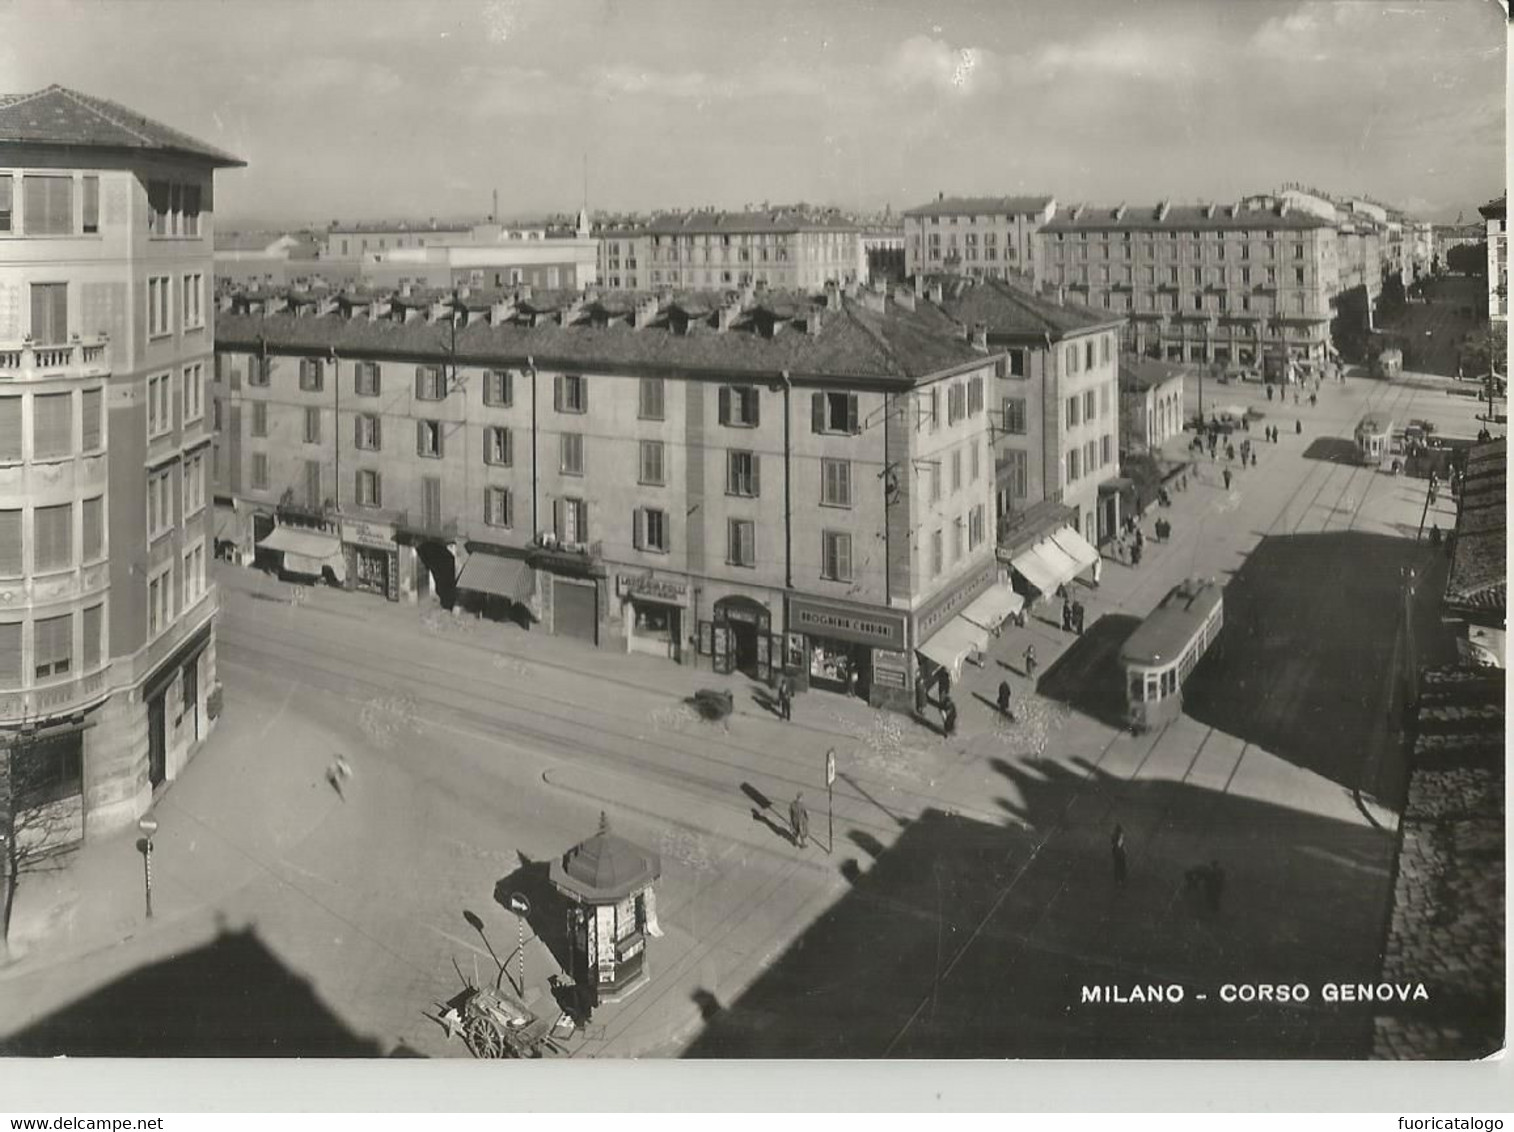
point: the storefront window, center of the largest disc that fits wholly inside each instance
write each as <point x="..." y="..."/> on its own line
<point x="653" y="622"/>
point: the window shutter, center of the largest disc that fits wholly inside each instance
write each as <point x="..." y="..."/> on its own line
<point x="725" y="404"/>
<point x="10" y="654"/>
<point x="378" y="432"/>
<point x="420" y="437"/>
<point x="750" y="393"/>
<point x="420" y="383"/>
<point x="507" y="447"/>
<point x="10" y="428"/>
<point x="52" y="422"/>
<point x="557" y="393"/>
<point x="91" y="424"/>
<point x="557" y="527"/>
<point x="94" y="528"/>
<point x="357" y="432"/>
<point x="637" y="527"/>
<point x="756" y="475"/>
<point x="852" y="425"/>
<point x="817" y="412"/>
<point x="92" y="641"/>
<point x="10" y="544"/>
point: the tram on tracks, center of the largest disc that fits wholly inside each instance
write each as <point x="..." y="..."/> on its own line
<point x="1161" y="654"/>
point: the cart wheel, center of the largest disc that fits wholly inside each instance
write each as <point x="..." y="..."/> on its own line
<point x="484" y="1039"/>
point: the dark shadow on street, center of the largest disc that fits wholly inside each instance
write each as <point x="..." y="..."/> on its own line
<point x="232" y="997"/>
<point x="779" y="828"/>
<point x="549" y="908"/>
<point x="708" y="1004"/>
<point x="759" y="799"/>
<point x="974" y="939"/>
<point x="1301" y="666"/>
<point x="1087" y="675"/>
<point x="1332" y="449"/>
<point x="867" y="843"/>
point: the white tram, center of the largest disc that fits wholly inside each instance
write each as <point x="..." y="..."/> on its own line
<point x="1159" y="656"/>
<point x="1375" y="439"/>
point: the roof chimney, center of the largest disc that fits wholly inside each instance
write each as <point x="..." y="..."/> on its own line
<point x="1162" y="210"/>
<point x="940" y="196"/>
<point x="979" y="337"/>
<point x="646" y="311"/>
<point x="726" y="316"/>
<point x="813" y="320"/>
<point x="1119" y="213"/>
<point x="936" y="294"/>
<point x="919" y="286"/>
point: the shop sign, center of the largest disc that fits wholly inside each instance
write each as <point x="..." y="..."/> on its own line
<point x="379" y="535"/>
<point x="890" y="669"/>
<point x="949" y="602"/>
<point x="656" y="589"/>
<point x="878" y="628"/>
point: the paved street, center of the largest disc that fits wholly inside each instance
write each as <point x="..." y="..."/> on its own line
<point x="968" y="894"/>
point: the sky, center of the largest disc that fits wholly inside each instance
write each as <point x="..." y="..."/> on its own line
<point x="384" y="109"/>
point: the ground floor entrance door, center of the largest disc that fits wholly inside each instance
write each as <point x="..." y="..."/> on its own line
<point x="157" y="742"/>
<point x="575" y="610"/>
<point x="192" y="698"/>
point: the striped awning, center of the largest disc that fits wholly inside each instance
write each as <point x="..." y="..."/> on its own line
<point x="952" y="642"/>
<point x="510" y="578"/>
<point x="307" y="552"/>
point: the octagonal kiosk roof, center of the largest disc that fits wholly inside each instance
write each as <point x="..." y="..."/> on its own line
<point x="605" y="869"/>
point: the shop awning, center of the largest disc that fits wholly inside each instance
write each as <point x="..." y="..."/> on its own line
<point x="307" y="552"/>
<point x="1064" y="567"/>
<point x="993" y="607"/>
<point x="225" y="520"/>
<point x="952" y="642"/>
<point x="1076" y="547"/>
<point x="510" y="578"/>
<point x="1036" y="570"/>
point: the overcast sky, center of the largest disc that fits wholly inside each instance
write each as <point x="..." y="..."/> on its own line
<point x="383" y="108"/>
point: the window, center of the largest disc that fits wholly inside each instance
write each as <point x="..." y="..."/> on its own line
<point x="499" y="507"/>
<point x="159" y="611"/>
<point x="313" y="484"/>
<point x="1104" y="350"/>
<point x="974" y="396"/>
<point x="1106" y="448"/>
<point x="1298" y="275"/>
<point x="53" y="528"/>
<point x="571" y="454"/>
<point x="835" y="483"/>
<point x="10" y="546"/>
<point x="365" y="379"/>
<point x="743" y="474"/>
<point x="428" y="383"/>
<point x="975" y="527"/>
<point x="53" y="645"/>
<point x="937" y="552"/>
<point x="367" y="432"/>
<point x="312" y="375"/>
<point x="192" y="397"/>
<point x="498" y="448"/>
<point x="741" y="542"/>
<point x="935" y="481"/>
<point x="52" y="425"/>
<point x="649" y="406"/>
<point x="91" y="204"/>
<point x="1074" y="465"/>
<point x="312" y="425"/>
<point x="159" y="506"/>
<point x="975" y="461"/>
<point x="650" y="529"/>
<point x="956" y="470"/>
<point x="1090" y="405"/>
<point x="572" y="517"/>
<point x="194" y="574"/>
<point x="260" y="471"/>
<point x="927" y="408"/>
<point x="7" y="203"/>
<point x="570" y="394"/>
<point x="499" y="388"/>
<point x="194" y="483"/>
<point x="94" y="621"/>
<point x="1072" y="359"/>
<point x="1017" y="472"/>
<point x="49" y="203"/>
<point x="157" y="307"/>
<point x="651" y="470"/>
<point x="836" y="556"/>
<point x="193" y="287"/>
<point x="370" y="491"/>
<point x="1017" y="363"/>
<point x="259" y="371"/>
<point x="957" y="539"/>
<point x="50" y="313"/>
<point x="834" y="412"/>
<point x="1072" y="411"/>
<point x="1014" y="415"/>
<point x="738" y="406"/>
<point x="159" y="407"/>
<point x="260" y="418"/>
<point x="428" y="439"/>
<point x="1088" y="354"/>
<point x="94" y="529"/>
<point x="956" y="403"/>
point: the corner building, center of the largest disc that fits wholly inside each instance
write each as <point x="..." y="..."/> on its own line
<point x="107" y="616"/>
<point x="762" y="482"/>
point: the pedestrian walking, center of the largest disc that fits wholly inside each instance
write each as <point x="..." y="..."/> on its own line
<point x="799" y="819"/>
<point x="1077" y="618"/>
<point x="1229" y="452"/>
<point x="1298" y="428"/>
<point x="1269" y="391"/>
<point x="1313" y="400"/>
<point x="1253" y="459"/>
<point x="1004" y="693"/>
<point x="785" y="699"/>
<point x="1227" y="479"/>
<point x="1066" y="615"/>
<point x="1030" y="661"/>
<point x="1117" y="854"/>
<point x="1140" y="538"/>
<point x="1435" y="534"/>
<point x="949" y="717"/>
<point x="1135" y="554"/>
<point x="1098" y="570"/>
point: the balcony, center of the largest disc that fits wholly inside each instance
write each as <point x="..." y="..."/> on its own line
<point x="420" y="524"/>
<point x="569" y="558"/>
<point x="29" y="361"/>
<point x="39" y="704"/>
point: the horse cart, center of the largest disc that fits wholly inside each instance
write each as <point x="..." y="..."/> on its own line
<point x="495" y="1023"/>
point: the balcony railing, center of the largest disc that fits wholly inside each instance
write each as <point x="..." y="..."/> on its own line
<point x="78" y="358"/>
<point x="53" y="699"/>
<point x="420" y="523"/>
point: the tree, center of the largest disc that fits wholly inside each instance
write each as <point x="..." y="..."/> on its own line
<point x="1468" y="259"/>
<point x="40" y="812"/>
<point x="1486" y="351"/>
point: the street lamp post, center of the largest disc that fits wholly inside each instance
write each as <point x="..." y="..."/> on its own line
<point x="148" y="826"/>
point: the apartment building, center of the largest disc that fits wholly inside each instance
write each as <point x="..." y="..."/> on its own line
<point x="1054" y="410"/>
<point x="1151" y="403"/>
<point x="980" y="237"/>
<point x="786" y="249"/>
<point x="1210" y="283"/>
<point x="1494" y="214"/>
<point x="107" y="613"/>
<point x="348" y="241"/>
<point x="769" y="482"/>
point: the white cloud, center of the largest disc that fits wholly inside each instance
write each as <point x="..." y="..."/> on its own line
<point x="921" y="61"/>
<point x="1121" y="54"/>
<point x="698" y="86"/>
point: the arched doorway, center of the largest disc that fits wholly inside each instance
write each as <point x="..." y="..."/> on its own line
<point x="440" y="568"/>
<point x="742" y="641"/>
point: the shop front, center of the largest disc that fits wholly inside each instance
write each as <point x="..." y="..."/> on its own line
<point x="496" y="586"/>
<point x="943" y="638"/>
<point x="851" y="649"/>
<point x="373" y="558"/>
<point x="739" y="637"/>
<point x="653" y="610"/>
<point x="306" y="553"/>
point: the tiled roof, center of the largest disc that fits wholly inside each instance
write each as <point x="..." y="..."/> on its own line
<point x="1139" y="373"/>
<point x="854" y="342"/>
<point x="1009" y="310"/>
<point x="1478" y="578"/>
<point x="1494" y="209"/>
<point x="1179" y="217"/>
<point x="773" y="220"/>
<point x="59" y="116"/>
<point x="981" y="206"/>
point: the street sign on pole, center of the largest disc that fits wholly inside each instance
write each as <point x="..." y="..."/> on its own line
<point x="830" y="766"/>
<point x="522" y="909"/>
<point x="830" y="800"/>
